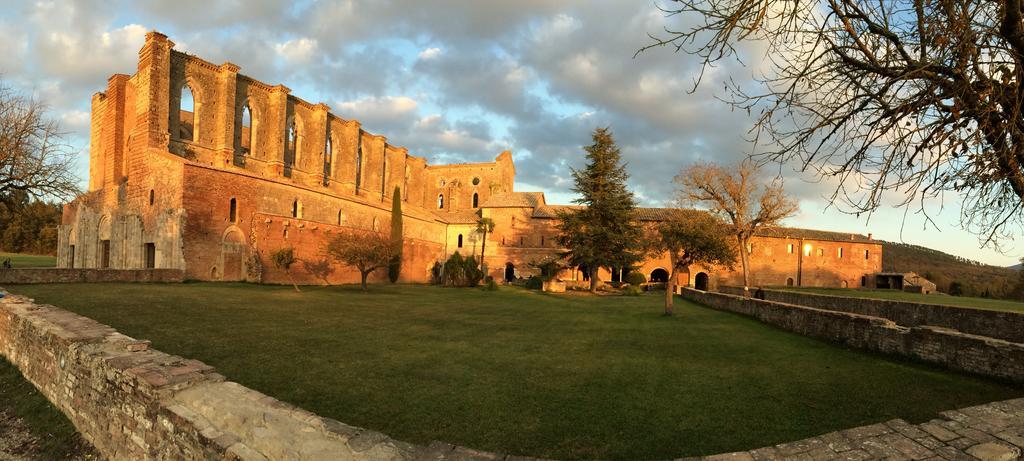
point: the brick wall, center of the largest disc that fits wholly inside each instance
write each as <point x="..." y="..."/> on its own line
<point x="949" y="348"/>
<point x="1007" y="326"/>
<point x="132" y="402"/>
<point x="61" y="275"/>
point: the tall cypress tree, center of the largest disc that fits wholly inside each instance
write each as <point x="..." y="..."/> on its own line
<point x="604" y="233"/>
<point x="395" y="267"/>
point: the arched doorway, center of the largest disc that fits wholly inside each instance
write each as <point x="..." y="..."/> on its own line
<point x="232" y="252"/>
<point x="585" y="271"/>
<point x="700" y="282"/>
<point x="789" y="282"/>
<point x="845" y="284"/>
<point x="659" y="275"/>
<point x="510" y="272"/>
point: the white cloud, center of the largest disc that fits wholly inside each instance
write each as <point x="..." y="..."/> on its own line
<point x="429" y="53"/>
<point x="298" y="51"/>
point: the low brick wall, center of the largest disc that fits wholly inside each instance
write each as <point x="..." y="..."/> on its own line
<point x="949" y="348"/>
<point x="132" y="402"/>
<point x="994" y="324"/>
<point x="57" y="275"/>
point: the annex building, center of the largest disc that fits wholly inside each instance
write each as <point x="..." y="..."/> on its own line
<point x="243" y="168"/>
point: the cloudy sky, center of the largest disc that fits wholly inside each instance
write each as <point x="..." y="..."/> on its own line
<point x="452" y="81"/>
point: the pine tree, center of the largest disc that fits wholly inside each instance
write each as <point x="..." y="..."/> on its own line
<point x="604" y="233"/>
<point x="395" y="265"/>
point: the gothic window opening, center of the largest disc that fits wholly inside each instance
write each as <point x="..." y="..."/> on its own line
<point x="476" y="200"/>
<point x="440" y="201"/>
<point x="246" y="130"/>
<point x="233" y="211"/>
<point x="341" y="218"/>
<point x="296" y="209"/>
<point x="460" y="240"/>
<point x="292" y="146"/>
<point x="187" y="129"/>
<point x="152" y="197"/>
<point x="359" y="161"/>
<point x="328" y="158"/>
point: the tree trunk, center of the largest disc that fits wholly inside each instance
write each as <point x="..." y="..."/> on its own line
<point x="670" y="290"/>
<point x="290" y="279"/>
<point x="593" y="280"/>
<point x="745" y="262"/>
<point x="483" y="249"/>
<point x="363" y="275"/>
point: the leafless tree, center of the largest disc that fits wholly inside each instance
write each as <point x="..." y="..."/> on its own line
<point x="737" y="195"/>
<point x="34" y="157"/>
<point x="366" y="251"/>
<point x="913" y="96"/>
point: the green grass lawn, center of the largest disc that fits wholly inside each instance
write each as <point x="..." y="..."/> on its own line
<point x="945" y="300"/>
<point x="23" y="260"/>
<point x="556" y="376"/>
<point x="57" y="436"/>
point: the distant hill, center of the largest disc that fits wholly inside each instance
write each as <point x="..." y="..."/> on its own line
<point x="1016" y="267"/>
<point x="975" y="278"/>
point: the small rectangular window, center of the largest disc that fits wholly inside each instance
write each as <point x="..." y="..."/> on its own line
<point x="867" y="254"/>
<point x="150" y="255"/>
<point x="789" y="248"/>
<point x="839" y="252"/>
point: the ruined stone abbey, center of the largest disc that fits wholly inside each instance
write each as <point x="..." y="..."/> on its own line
<point x="243" y="168"/>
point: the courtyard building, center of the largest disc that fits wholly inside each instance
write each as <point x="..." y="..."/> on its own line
<point x="197" y="167"/>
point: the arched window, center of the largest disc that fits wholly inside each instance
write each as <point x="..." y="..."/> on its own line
<point x="341" y="218"/>
<point x="246" y="130"/>
<point x="152" y="197"/>
<point x="376" y="224"/>
<point x="542" y="240"/>
<point x="359" y="161"/>
<point x="187" y="128"/>
<point x="328" y="157"/>
<point x="440" y="201"/>
<point x="476" y="200"/>
<point x="296" y="209"/>
<point x="460" y="240"/>
<point x="293" y="141"/>
<point x="233" y="211"/>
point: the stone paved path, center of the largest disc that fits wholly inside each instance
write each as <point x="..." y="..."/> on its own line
<point x="993" y="431"/>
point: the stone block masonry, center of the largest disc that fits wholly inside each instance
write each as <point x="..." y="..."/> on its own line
<point x="135" y="403"/>
<point x="63" y="275"/>
<point x="1004" y="325"/>
<point x="949" y="348"/>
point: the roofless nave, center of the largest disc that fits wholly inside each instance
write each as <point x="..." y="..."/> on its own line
<point x="251" y="169"/>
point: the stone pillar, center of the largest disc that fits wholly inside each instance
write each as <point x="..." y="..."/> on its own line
<point x="113" y="134"/>
<point x="96" y="158"/>
<point x="152" y="82"/>
<point x="316" y="145"/>
<point x="372" y="183"/>
<point x="227" y="114"/>
<point x="276" y="129"/>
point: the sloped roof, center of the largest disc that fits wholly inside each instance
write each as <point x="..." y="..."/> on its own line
<point x="813" y="234"/>
<point x="515" y="200"/>
<point x="458" y="217"/>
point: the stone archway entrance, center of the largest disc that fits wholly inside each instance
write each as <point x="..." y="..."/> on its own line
<point x="700" y="282"/>
<point x="232" y="249"/>
<point x="659" y="275"/>
<point x="510" y="272"/>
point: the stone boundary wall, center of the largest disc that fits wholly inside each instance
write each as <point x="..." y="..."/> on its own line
<point x="62" y="275"/>
<point x="1004" y="325"/>
<point x="942" y="346"/>
<point x="132" y="402"/>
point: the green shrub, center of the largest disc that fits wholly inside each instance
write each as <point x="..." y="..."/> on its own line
<point x="632" y="290"/>
<point x="534" y="283"/>
<point x="435" y="273"/>
<point x="460" y="272"/>
<point x="491" y="285"/>
<point x="636" y="278"/>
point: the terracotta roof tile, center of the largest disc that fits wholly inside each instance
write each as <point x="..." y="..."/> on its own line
<point x="458" y="217"/>
<point x="515" y="200"/>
